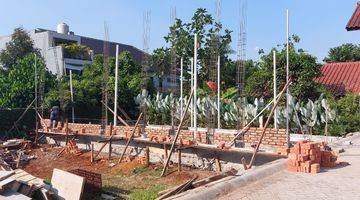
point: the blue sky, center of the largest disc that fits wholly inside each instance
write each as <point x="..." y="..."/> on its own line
<point x="319" y="23"/>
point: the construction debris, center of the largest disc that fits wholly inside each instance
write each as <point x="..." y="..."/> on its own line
<point x="308" y="157"/>
<point x="67" y="185"/>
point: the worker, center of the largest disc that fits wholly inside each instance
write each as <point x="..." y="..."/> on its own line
<point x="54" y="116"/>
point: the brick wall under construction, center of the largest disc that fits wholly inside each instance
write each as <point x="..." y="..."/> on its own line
<point x="275" y="138"/>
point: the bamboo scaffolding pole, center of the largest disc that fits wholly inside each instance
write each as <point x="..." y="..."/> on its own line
<point x="177" y="134"/>
<point x="267" y="123"/>
<point x="130" y="138"/>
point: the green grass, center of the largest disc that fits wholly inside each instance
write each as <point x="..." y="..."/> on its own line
<point x="142" y="183"/>
<point x="146" y="194"/>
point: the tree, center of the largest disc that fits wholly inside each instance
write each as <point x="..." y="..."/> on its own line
<point x="303" y="69"/>
<point x="344" y="53"/>
<point x="181" y="40"/>
<point x="88" y="86"/>
<point x="17" y="85"/>
<point x="20" y="45"/>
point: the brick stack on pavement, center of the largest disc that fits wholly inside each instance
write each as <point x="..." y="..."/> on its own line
<point x="308" y="157"/>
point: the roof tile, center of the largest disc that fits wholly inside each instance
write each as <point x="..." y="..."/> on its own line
<point x="341" y="77"/>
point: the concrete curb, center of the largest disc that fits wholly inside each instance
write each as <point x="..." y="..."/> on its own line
<point x="224" y="186"/>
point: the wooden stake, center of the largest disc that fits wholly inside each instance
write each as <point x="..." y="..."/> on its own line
<point x="177" y="134"/>
<point x="218" y="164"/>
<point x="179" y="160"/>
<point x="147" y="156"/>
<point x="92" y="153"/>
<point x="130" y="138"/>
<point x="267" y="123"/>
<point x="165" y="151"/>
<point x="66" y="132"/>
<point x="102" y="147"/>
<point x="243" y="161"/>
<point x="110" y="142"/>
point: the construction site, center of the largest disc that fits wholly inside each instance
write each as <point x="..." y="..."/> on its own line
<point x="204" y="151"/>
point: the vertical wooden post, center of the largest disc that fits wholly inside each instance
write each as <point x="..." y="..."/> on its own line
<point x="66" y="132"/>
<point x="218" y="164"/>
<point x="110" y="142"/>
<point x="147" y="156"/>
<point x="165" y="152"/>
<point x="92" y="153"/>
<point x="179" y="160"/>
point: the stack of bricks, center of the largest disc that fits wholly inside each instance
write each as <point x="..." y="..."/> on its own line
<point x="308" y="157"/>
<point x="72" y="148"/>
<point x="93" y="181"/>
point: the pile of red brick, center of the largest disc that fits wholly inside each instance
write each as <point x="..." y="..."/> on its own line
<point x="72" y="148"/>
<point x="308" y="157"/>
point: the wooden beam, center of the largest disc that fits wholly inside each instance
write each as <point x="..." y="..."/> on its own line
<point x="147" y="156"/>
<point x="117" y="116"/>
<point x="177" y="134"/>
<point x="110" y="142"/>
<point x="130" y="138"/>
<point x="92" y="153"/>
<point x="179" y="160"/>
<point x="165" y="152"/>
<point x="266" y="124"/>
<point x="102" y="147"/>
<point x="218" y="164"/>
<point x="177" y="189"/>
<point x="243" y="161"/>
<point x="124" y="113"/>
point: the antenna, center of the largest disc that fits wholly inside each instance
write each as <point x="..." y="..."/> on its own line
<point x="241" y="57"/>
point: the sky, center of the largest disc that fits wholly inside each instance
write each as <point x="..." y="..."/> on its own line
<point x="319" y="23"/>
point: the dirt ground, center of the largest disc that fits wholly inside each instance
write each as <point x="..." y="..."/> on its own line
<point x="129" y="180"/>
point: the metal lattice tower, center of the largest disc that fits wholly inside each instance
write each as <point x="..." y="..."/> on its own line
<point x="241" y="57"/>
<point x="212" y="71"/>
<point x="144" y="64"/>
<point x="173" y="73"/>
<point x="105" y="87"/>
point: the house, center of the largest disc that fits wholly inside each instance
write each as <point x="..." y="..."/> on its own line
<point x="51" y="45"/>
<point x="341" y="77"/>
<point x="354" y="22"/>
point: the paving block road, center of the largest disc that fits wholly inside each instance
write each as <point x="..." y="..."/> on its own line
<point x="340" y="183"/>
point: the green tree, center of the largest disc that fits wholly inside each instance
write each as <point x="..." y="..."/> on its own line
<point x="348" y="115"/>
<point x="20" y="45"/>
<point x="344" y="53"/>
<point x="303" y="69"/>
<point x="88" y="87"/>
<point x="181" y="40"/>
<point x="17" y="85"/>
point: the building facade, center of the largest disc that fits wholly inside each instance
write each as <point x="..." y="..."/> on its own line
<point x="50" y="43"/>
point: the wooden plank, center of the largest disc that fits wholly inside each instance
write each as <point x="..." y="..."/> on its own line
<point x="67" y="185"/>
<point x="210" y="179"/>
<point x="130" y="138"/>
<point x="177" y="189"/>
<point x="177" y="134"/>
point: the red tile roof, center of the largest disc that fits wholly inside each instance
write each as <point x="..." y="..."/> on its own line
<point x="354" y="22"/>
<point x="341" y="77"/>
